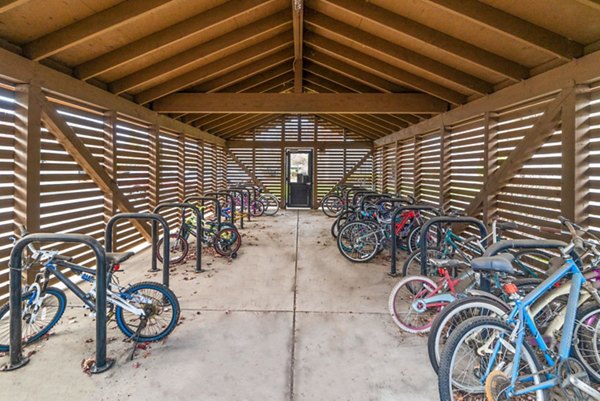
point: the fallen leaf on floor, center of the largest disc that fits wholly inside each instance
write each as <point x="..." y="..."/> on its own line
<point x="87" y="365"/>
<point x="89" y="340"/>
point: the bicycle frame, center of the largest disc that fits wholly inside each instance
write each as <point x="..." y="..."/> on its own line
<point x="520" y="316"/>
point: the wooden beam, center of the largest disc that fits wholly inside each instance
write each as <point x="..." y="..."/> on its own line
<point x="407" y="57"/>
<point x="263" y="84"/>
<point x="328" y="85"/>
<point x="297" y="144"/>
<point x="90" y="27"/>
<point x="579" y="71"/>
<point x="81" y="154"/>
<point x="20" y="69"/>
<point x="513" y="27"/>
<point x="575" y="154"/>
<point x="383" y="69"/>
<point x="7" y="5"/>
<point x="595" y="4"/>
<point x="196" y="25"/>
<point x="325" y="74"/>
<point x="370" y="103"/>
<point x="245" y="169"/>
<point x="431" y="37"/>
<point x="357" y="74"/>
<point x="542" y="129"/>
<point x="259" y="67"/>
<point x="298" y="27"/>
<point x="28" y="109"/>
<point x="219" y="67"/>
<point x="110" y="165"/>
<point x="258" y="30"/>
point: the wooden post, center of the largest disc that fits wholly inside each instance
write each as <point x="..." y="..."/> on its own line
<point x="200" y="166"/>
<point x="283" y="178"/>
<point x="575" y="151"/>
<point x="28" y="118"/>
<point x="110" y="165"/>
<point x="417" y="167"/>
<point x="315" y="172"/>
<point x="154" y="166"/>
<point x="490" y="163"/>
<point x="181" y="167"/>
<point x="445" y="176"/>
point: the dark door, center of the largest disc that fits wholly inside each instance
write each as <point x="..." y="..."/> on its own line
<point x="299" y="178"/>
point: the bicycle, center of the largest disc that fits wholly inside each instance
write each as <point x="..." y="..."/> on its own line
<point x="225" y="239"/>
<point x="144" y="312"/>
<point x="491" y="357"/>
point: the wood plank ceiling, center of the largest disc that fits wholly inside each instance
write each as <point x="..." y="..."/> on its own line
<point x="453" y="50"/>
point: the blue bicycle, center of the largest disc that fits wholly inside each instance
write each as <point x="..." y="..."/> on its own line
<point x="491" y="359"/>
<point x="144" y="311"/>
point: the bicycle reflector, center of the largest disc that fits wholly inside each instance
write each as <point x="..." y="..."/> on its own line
<point x="510" y="288"/>
<point x="116" y="268"/>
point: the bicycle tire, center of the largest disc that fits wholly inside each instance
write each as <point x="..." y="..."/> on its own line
<point x="30" y="337"/>
<point x="429" y="286"/>
<point x="271" y="204"/>
<point x="156" y="308"/>
<point x="326" y="204"/>
<point x="180" y="241"/>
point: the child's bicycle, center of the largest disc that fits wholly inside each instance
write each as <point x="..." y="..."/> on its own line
<point x="225" y="239"/>
<point x="144" y="312"/>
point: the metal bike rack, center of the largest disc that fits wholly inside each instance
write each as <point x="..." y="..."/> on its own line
<point x="203" y="199"/>
<point x="452" y="220"/>
<point x="230" y="197"/>
<point x="183" y="207"/>
<point x="17" y="359"/>
<point x="348" y="191"/>
<point x="398" y="212"/>
<point x="241" y="192"/>
<point x="523" y="244"/>
<point x="369" y="196"/>
<point x="362" y="193"/>
<point x="108" y="238"/>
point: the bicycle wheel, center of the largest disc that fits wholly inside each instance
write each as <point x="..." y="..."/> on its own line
<point x="415" y="235"/>
<point x="178" y="248"/>
<point x="332" y="205"/>
<point x="586" y="342"/>
<point x="358" y="242"/>
<point x="160" y="307"/>
<point x="227" y="241"/>
<point x="469" y="353"/>
<point x="452" y="316"/>
<point x="271" y="204"/>
<point x="406" y="305"/>
<point x="412" y="265"/>
<point x="37" y="318"/>
<point x="341" y="221"/>
<point x="257" y="208"/>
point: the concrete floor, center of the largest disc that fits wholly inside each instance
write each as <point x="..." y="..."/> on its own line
<point x="289" y="319"/>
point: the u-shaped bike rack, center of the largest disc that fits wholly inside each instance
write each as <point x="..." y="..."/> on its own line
<point x="398" y="212"/>
<point x="231" y="200"/>
<point x="241" y="193"/>
<point x="197" y="198"/>
<point x="370" y="196"/>
<point x="447" y="220"/>
<point x="183" y="207"/>
<point x="108" y="238"/>
<point x="17" y="359"/>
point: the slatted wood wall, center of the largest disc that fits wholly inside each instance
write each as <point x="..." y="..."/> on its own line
<point x="331" y="163"/>
<point x="449" y="167"/>
<point x="150" y="165"/>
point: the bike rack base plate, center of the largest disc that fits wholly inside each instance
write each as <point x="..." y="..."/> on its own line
<point x="101" y="369"/>
<point x="10" y="367"/>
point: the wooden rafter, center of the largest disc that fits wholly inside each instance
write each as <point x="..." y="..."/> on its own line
<point x="251" y="125"/>
<point x="383" y="69"/>
<point x="279" y="60"/>
<point x="352" y="72"/>
<point x="425" y="34"/>
<point x="7" y="5"/>
<point x="325" y="84"/>
<point x="90" y="27"/>
<point x="513" y="27"/>
<point x="369" y="103"/>
<point x="595" y="4"/>
<point x="196" y="25"/>
<point x="20" y="69"/>
<point x="542" y="129"/>
<point x="325" y="74"/>
<point x="217" y="68"/>
<point x="261" y="29"/>
<point x="404" y="56"/>
<point x="341" y="122"/>
<point x="298" y="27"/>
<point x="579" y="71"/>
<point x="81" y="154"/>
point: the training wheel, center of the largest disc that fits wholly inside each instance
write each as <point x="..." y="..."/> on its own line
<point x="234" y="255"/>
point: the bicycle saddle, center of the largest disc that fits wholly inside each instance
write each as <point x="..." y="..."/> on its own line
<point x="499" y="263"/>
<point x="115" y="258"/>
<point x="506" y="225"/>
